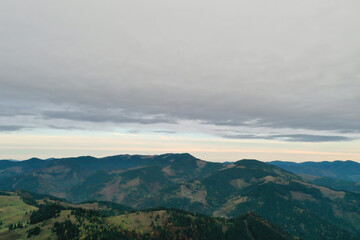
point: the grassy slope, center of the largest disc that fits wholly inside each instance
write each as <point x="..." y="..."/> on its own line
<point x="13" y="210"/>
<point x="149" y="224"/>
<point x="140" y="221"/>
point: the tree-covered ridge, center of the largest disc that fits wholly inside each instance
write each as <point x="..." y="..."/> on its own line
<point x="71" y="222"/>
<point x="301" y="208"/>
<point x="88" y="178"/>
<point x="338" y="175"/>
<point x="344" y="170"/>
<point x="337" y="184"/>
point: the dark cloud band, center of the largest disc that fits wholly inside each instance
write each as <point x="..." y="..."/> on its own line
<point x="293" y="137"/>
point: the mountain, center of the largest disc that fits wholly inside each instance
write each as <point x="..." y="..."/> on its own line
<point x="51" y="218"/>
<point x="344" y="170"/>
<point x="79" y="179"/>
<point x="184" y="182"/>
<point x="338" y="175"/>
<point x="301" y="208"/>
<point x="336" y="184"/>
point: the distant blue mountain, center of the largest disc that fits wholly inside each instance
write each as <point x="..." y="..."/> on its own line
<point x="228" y="163"/>
<point x="344" y="170"/>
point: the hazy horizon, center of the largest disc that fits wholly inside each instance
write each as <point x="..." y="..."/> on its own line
<point x="221" y="161"/>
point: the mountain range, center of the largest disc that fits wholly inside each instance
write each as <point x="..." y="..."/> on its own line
<point x="226" y="190"/>
<point x="339" y="175"/>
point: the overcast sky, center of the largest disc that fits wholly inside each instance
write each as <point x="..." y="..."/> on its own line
<point x="224" y="80"/>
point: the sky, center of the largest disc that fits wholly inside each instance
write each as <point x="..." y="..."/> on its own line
<point x="222" y="80"/>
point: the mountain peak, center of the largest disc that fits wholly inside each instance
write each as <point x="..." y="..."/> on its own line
<point x="250" y="162"/>
<point x="34" y="159"/>
<point x="188" y="155"/>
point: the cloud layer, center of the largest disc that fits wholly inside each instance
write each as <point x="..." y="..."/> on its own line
<point x="291" y="68"/>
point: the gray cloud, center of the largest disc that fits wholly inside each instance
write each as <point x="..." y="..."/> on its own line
<point x="165" y="132"/>
<point x="291" y="65"/>
<point x="105" y="116"/>
<point x="133" y="131"/>
<point x="10" y="128"/>
<point x="65" y="127"/>
<point x="293" y="137"/>
<point x="313" y="138"/>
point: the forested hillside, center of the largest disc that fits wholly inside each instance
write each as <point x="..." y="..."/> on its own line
<point x="182" y="181"/>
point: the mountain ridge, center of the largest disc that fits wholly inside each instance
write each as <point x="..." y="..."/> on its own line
<point x="43" y="217"/>
<point x="185" y="182"/>
<point x="345" y="170"/>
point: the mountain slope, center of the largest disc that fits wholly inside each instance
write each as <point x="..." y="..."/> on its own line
<point x="85" y="178"/>
<point x="345" y="170"/>
<point x="338" y="175"/>
<point x="278" y="195"/>
<point x="61" y="220"/>
<point x="333" y="183"/>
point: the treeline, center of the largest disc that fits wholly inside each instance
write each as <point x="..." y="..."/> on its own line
<point x="16" y="225"/>
<point x="178" y="225"/>
<point x="173" y="224"/>
<point x="45" y="212"/>
<point x="66" y="230"/>
<point x="33" y="231"/>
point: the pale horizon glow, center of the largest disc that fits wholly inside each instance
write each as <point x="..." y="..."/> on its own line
<point x="22" y="146"/>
